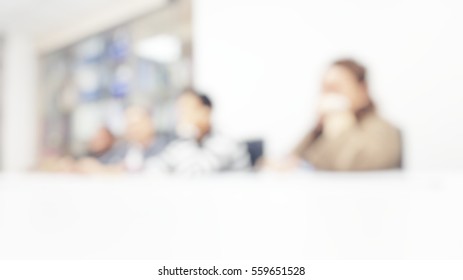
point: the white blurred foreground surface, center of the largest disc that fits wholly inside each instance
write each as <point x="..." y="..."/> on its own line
<point x="236" y="216"/>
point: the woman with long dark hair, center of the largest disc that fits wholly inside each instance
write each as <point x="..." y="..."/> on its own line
<point x="349" y="134"/>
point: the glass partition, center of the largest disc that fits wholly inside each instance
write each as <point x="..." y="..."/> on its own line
<point x="88" y="84"/>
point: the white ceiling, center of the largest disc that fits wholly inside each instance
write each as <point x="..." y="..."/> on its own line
<point x="45" y="15"/>
<point x="56" y="22"/>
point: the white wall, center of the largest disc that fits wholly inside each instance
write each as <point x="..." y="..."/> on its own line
<point x="20" y="102"/>
<point x="262" y="60"/>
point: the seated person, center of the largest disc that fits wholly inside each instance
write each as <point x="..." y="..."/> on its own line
<point x="139" y="144"/>
<point x="101" y="147"/>
<point x="141" y="139"/>
<point x="350" y="135"/>
<point x="199" y="149"/>
<point x="102" y="153"/>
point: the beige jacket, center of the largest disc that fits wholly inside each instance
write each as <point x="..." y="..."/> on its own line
<point x="370" y="144"/>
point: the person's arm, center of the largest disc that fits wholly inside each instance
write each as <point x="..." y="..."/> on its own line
<point x="307" y="140"/>
<point x="372" y="146"/>
<point x="239" y="157"/>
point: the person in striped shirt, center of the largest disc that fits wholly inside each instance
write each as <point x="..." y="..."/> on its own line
<point x="199" y="149"/>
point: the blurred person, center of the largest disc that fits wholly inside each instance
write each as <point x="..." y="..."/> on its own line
<point x="141" y="139"/>
<point x="199" y="149"/>
<point x="349" y="135"/>
<point x="103" y="154"/>
<point x="140" y="143"/>
<point x="101" y="146"/>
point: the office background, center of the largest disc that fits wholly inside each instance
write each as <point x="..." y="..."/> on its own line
<point x="264" y="59"/>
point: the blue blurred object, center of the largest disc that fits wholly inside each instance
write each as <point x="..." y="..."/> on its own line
<point x="255" y="149"/>
<point x="119" y="46"/>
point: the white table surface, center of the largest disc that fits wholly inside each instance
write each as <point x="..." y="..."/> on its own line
<point x="237" y="216"/>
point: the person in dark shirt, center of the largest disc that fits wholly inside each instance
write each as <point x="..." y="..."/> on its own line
<point x="140" y="143"/>
<point x="141" y="140"/>
<point x="101" y="147"/>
